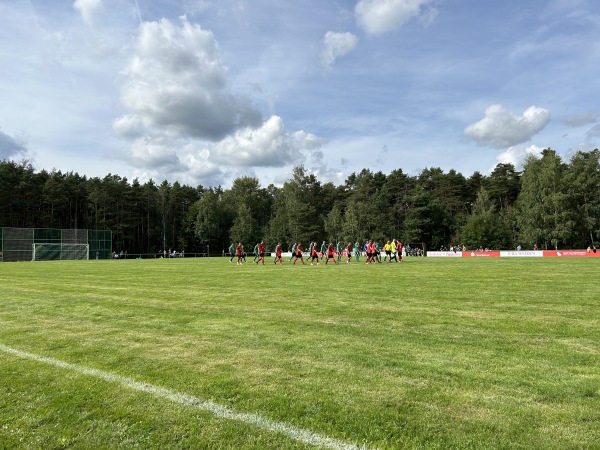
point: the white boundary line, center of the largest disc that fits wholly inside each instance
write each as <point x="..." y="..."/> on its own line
<point x="298" y="434"/>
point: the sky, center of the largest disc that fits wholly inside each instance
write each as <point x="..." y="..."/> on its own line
<point x="205" y="91"/>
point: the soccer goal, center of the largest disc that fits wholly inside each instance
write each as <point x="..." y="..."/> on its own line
<point x="53" y="251"/>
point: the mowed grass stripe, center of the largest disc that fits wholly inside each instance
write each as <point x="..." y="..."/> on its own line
<point x="220" y="411"/>
<point x="431" y="353"/>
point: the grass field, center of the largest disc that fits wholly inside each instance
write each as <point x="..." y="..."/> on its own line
<point x="433" y="353"/>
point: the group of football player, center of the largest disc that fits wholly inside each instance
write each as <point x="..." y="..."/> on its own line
<point x="328" y="252"/>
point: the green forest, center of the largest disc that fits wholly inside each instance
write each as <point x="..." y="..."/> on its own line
<point x="551" y="203"/>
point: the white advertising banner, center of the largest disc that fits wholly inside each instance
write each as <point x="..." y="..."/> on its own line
<point x="444" y="254"/>
<point x="521" y="253"/>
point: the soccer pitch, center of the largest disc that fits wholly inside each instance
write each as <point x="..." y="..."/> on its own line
<point x="200" y="353"/>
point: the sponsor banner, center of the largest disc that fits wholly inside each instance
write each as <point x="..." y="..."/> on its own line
<point x="473" y="254"/>
<point x="569" y="253"/>
<point x="522" y="254"/>
<point x="444" y="254"/>
<point x="517" y="254"/>
<point x="491" y="253"/>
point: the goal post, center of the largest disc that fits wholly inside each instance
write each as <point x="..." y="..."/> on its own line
<point x="48" y="251"/>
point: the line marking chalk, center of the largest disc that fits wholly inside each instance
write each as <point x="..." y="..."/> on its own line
<point x="298" y="434"/>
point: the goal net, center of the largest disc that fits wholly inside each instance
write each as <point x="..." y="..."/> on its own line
<point x="27" y="244"/>
<point x="53" y="251"/>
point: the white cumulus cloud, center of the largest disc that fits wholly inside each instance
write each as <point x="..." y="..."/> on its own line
<point x="159" y="157"/>
<point x="151" y="153"/>
<point x="88" y="9"/>
<point x="181" y="118"/>
<point x="266" y="146"/>
<point x="129" y="126"/>
<point x="380" y="16"/>
<point x="336" y="45"/>
<point x="176" y="84"/>
<point x="501" y="128"/>
<point x="517" y="155"/>
<point x="199" y="167"/>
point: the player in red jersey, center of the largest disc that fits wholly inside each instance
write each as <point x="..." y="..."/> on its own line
<point x="278" y="254"/>
<point x="399" y="248"/>
<point x="371" y="252"/>
<point x="314" y="255"/>
<point x="368" y="251"/>
<point x="261" y="253"/>
<point x="374" y="252"/>
<point x="330" y="254"/>
<point x="239" y="252"/>
<point x="349" y="252"/>
<point x="299" y="253"/>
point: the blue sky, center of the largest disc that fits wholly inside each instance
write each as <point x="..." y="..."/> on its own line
<point x="202" y="91"/>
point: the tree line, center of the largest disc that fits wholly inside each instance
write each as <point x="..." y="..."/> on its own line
<point x="551" y="203"/>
